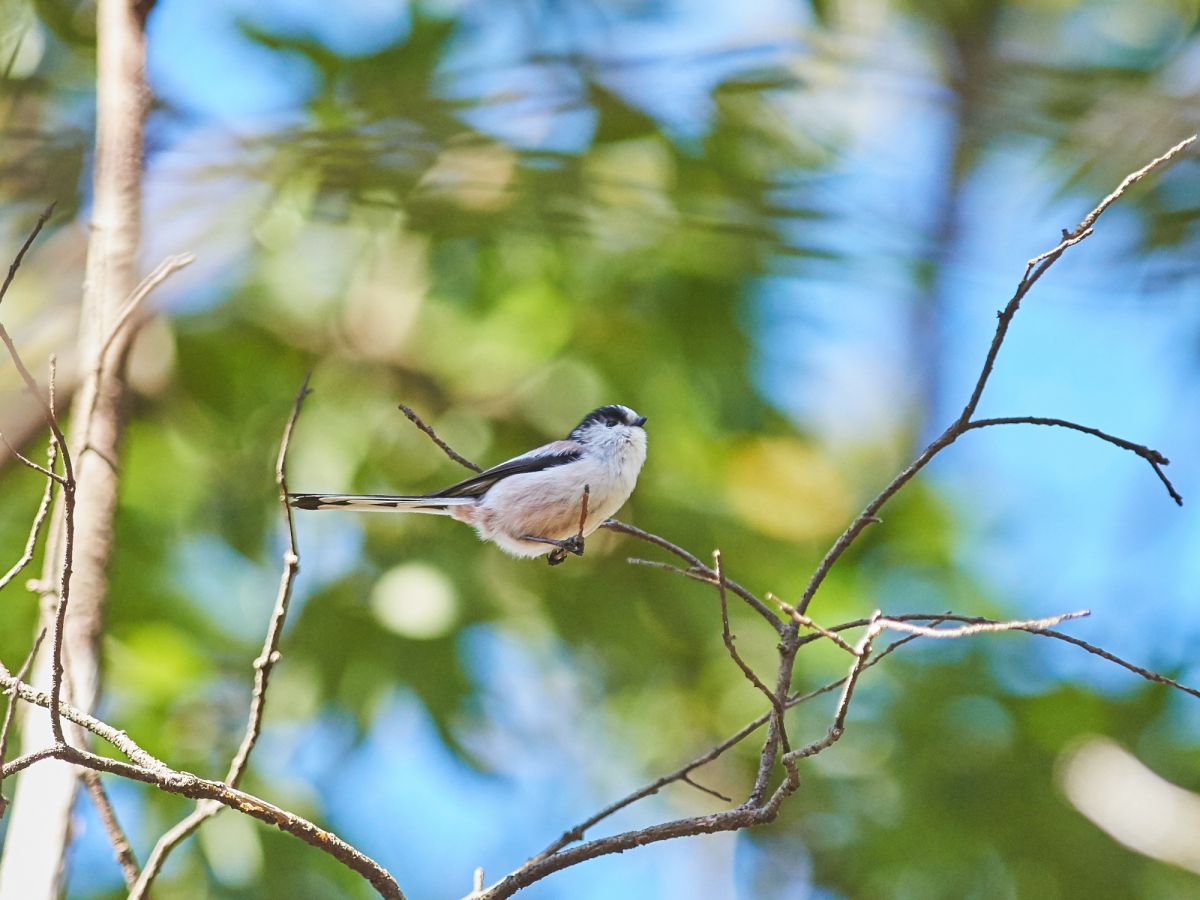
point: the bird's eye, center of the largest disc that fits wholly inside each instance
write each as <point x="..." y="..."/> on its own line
<point x="611" y="421"/>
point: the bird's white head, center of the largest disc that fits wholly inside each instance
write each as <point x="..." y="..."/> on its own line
<point x="615" y="431"/>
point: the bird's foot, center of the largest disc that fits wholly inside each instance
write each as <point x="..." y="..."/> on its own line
<point x="574" y="544"/>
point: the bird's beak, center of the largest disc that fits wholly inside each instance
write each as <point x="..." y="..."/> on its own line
<point x="639" y="421"/>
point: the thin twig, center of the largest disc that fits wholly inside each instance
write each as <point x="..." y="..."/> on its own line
<point x="39" y="519"/>
<point x="11" y="707"/>
<point x="577" y="832"/>
<point x="1153" y="457"/>
<point x="727" y="637"/>
<point x="978" y="628"/>
<point x="808" y="623"/>
<point x="20" y="257"/>
<point x="583" y="510"/>
<point x="862" y="653"/>
<point x="433" y="436"/>
<point x="1126" y="183"/>
<point x="117" y="839"/>
<point x="1140" y="671"/>
<point x="25" y="460"/>
<point x="687" y="779"/>
<point x="696" y="569"/>
<point x="263" y="665"/>
<point x="133" y="303"/>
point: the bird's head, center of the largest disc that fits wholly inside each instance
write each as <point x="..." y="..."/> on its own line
<point x="613" y="427"/>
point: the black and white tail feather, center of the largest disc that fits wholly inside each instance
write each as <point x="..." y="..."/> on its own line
<point x="379" y="503"/>
<point x="531" y="504"/>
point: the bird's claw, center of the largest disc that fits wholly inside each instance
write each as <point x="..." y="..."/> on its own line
<point x="574" y="544"/>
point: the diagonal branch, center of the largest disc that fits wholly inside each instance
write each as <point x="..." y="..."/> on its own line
<point x="29" y="463"/>
<point x="122" y="849"/>
<point x="433" y="436"/>
<point x="187" y="785"/>
<point x="39" y="518"/>
<point x="696" y="569"/>
<point x="161" y="273"/>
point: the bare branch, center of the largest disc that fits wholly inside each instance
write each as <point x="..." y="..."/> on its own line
<point x="730" y="820"/>
<point x="687" y="779"/>
<point x="728" y="637"/>
<point x="978" y="628"/>
<point x="122" y="849"/>
<point x="119" y="739"/>
<point x="808" y="623"/>
<point x="862" y="653"/>
<point x="445" y="448"/>
<point x="25" y="761"/>
<point x="187" y="785"/>
<point x="262" y="669"/>
<point x="696" y="569"/>
<point x="692" y="560"/>
<point x="20" y="257"/>
<point x="1126" y="183"/>
<point x="12" y="705"/>
<point x="161" y="273"/>
<point x="39" y="519"/>
<point x="862" y="662"/>
<point x="1034" y="270"/>
<point x="1153" y="457"/>
<point x="1140" y="671"/>
<point x="25" y="460"/>
<point x="150" y="770"/>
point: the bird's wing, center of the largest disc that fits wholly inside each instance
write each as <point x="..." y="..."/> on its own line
<point x="558" y="453"/>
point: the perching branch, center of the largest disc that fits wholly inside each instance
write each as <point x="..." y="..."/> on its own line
<point x="696" y="570"/>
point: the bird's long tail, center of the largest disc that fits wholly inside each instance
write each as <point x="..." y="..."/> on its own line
<point x="438" y="506"/>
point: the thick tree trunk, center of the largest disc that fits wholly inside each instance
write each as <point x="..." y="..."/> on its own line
<point x="39" y="830"/>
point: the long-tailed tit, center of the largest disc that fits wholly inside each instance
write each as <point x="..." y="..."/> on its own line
<point x="532" y="504"/>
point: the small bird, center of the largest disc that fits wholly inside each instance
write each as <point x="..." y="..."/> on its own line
<point x="533" y="504"/>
